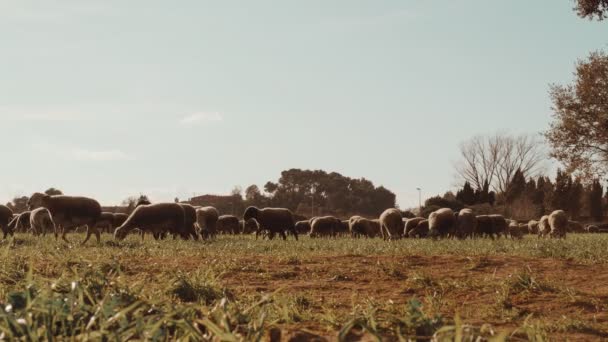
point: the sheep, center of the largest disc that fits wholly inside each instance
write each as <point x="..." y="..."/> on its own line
<point x="466" y="224"/>
<point x="360" y="226"/>
<point x="21" y="222"/>
<point x="273" y="220"/>
<point x="159" y="218"/>
<point x="303" y="227"/>
<point x="344" y="228"/>
<point x="558" y="221"/>
<point x="69" y="212"/>
<point x="543" y="226"/>
<point x="513" y="229"/>
<point x="575" y="227"/>
<point x="119" y="219"/>
<point x="105" y="222"/>
<point x="206" y="221"/>
<point x="592" y="229"/>
<point x="441" y="222"/>
<point x="228" y="224"/>
<point x="190" y="219"/>
<point x="325" y="226"/>
<point x="42" y="222"/>
<point x="533" y="227"/>
<point x="411" y="224"/>
<point x="486" y="226"/>
<point x="248" y="227"/>
<point x="500" y="225"/>
<point x="6" y="216"/>
<point x="391" y="224"/>
<point x="421" y="230"/>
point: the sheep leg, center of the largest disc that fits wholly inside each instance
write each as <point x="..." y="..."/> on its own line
<point x="63" y="235"/>
<point x="283" y="235"/>
<point x="88" y="236"/>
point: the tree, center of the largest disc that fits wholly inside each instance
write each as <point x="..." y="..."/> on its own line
<point x="592" y="9"/>
<point x="561" y="193"/>
<point x="578" y="134"/>
<point x="53" y="192"/>
<point x="516" y="187"/>
<point x="466" y="195"/>
<point x="596" y="210"/>
<point x="576" y="195"/>
<point x="236" y="191"/>
<point x="495" y="159"/>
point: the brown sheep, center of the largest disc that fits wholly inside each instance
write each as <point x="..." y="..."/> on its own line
<point x="248" y="227"/>
<point x="228" y="224"/>
<point x="21" y="223"/>
<point x="158" y="219"/>
<point x="119" y="219"/>
<point x="344" y="228"/>
<point x="325" y="226"/>
<point x="486" y="227"/>
<point x="206" y="221"/>
<point x="303" y="227"/>
<point x="360" y="226"/>
<point x="441" y="223"/>
<point x="592" y="229"/>
<point x="466" y="224"/>
<point x="421" y="230"/>
<point x="105" y="223"/>
<point x="6" y="216"/>
<point x="575" y="227"/>
<point x="558" y="221"/>
<point x="189" y="221"/>
<point x="500" y="225"/>
<point x="533" y="227"/>
<point x="411" y="224"/>
<point x="42" y="222"/>
<point x="513" y="229"/>
<point x="543" y="226"/>
<point x="69" y="212"/>
<point x="274" y="220"/>
<point x="391" y="224"/>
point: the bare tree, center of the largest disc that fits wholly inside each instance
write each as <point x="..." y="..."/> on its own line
<point x="495" y="159"/>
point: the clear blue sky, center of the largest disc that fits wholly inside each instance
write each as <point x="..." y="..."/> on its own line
<point x="115" y="98"/>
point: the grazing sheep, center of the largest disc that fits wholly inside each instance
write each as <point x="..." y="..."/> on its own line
<point x="513" y="229"/>
<point x="189" y="221"/>
<point x="533" y="227"/>
<point x="105" y="223"/>
<point x="325" y="226"/>
<point x="21" y="222"/>
<point x="575" y="227"/>
<point x="499" y="224"/>
<point x="6" y="216"/>
<point x="273" y="220"/>
<point x="411" y="224"/>
<point x="69" y="212"/>
<point x="360" y="226"/>
<point x="391" y="224"/>
<point x="543" y="226"/>
<point x="420" y="231"/>
<point x="466" y="224"/>
<point x="42" y="222"/>
<point x="206" y="221"/>
<point x="344" y="228"/>
<point x="228" y="224"/>
<point x="248" y="227"/>
<point x="303" y="227"/>
<point x="558" y="221"/>
<point x="158" y="219"/>
<point x="592" y="229"/>
<point x="119" y="219"/>
<point x="442" y="222"/>
<point x="486" y="227"/>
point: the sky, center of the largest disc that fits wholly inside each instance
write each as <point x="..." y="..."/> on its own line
<point x="111" y="99"/>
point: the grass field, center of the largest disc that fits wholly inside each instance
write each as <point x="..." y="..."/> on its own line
<point x="239" y="288"/>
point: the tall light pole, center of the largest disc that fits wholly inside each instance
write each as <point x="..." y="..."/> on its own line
<point x="419" y="201"/>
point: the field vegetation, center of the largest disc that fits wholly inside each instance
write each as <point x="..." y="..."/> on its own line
<point x="238" y="288"/>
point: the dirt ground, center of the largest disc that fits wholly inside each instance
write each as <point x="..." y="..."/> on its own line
<point x="569" y="298"/>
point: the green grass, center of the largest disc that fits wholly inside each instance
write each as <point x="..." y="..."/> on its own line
<point x="139" y="290"/>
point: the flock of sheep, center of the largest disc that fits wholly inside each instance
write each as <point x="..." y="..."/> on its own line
<point x="60" y="214"/>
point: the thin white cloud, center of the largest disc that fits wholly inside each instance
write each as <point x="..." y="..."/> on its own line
<point x="81" y="154"/>
<point x="201" y="117"/>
